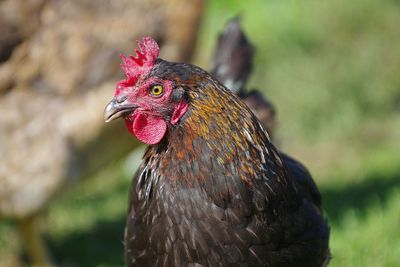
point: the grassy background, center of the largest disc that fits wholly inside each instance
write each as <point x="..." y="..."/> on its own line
<point x="332" y="68"/>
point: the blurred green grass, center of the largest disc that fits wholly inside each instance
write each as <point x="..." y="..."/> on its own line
<point x="332" y="69"/>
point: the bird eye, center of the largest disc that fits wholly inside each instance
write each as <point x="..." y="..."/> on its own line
<point x="156" y="90"/>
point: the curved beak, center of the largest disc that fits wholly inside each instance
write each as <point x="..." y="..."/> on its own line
<point x="118" y="108"/>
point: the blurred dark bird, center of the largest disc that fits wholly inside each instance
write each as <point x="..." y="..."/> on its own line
<point x="57" y="60"/>
<point x="233" y="57"/>
<point x="233" y="60"/>
<point x="212" y="190"/>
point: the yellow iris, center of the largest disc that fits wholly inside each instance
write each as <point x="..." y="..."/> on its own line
<point x="156" y="90"/>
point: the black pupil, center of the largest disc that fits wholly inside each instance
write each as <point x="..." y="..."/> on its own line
<point x="156" y="90"/>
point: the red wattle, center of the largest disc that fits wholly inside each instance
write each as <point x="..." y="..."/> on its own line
<point x="147" y="128"/>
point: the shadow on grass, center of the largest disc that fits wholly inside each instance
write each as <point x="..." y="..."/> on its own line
<point x="102" y="244"/>
<point x="359" y="196"/>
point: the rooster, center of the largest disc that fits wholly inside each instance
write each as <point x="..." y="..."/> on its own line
<point x="212" y="190"/>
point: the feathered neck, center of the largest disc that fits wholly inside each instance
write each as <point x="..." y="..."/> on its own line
<point x="220" y="126"/>
<point x="219" y="148"/>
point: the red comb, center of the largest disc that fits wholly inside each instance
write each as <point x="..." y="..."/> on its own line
<point x="141" y="63"/>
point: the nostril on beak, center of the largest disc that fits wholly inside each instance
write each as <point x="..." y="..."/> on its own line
<point x="121" y="98"/>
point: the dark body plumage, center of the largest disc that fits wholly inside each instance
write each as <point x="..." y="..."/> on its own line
<point x="215" y="192"/>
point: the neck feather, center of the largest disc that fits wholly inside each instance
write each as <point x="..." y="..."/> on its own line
<point x="220" y="148"/>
